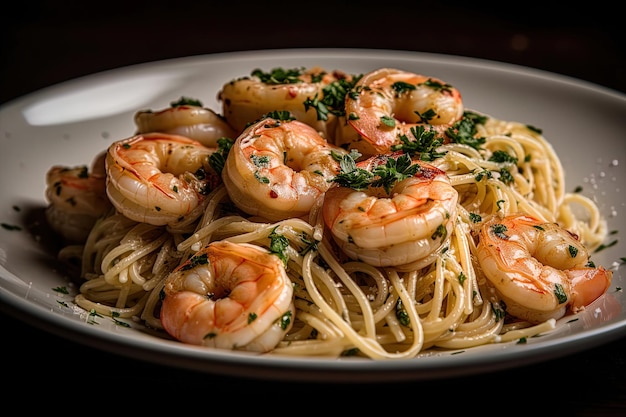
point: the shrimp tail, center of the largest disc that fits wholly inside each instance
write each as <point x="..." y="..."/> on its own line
<point x="588" y="284"/>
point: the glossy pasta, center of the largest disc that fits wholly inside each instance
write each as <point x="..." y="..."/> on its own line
<point x="345" y="306"/>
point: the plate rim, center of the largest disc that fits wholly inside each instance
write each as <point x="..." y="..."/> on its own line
<point x="317" y="369"/>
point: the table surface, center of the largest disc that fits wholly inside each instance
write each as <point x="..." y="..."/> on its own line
<point x="43" y="44"/>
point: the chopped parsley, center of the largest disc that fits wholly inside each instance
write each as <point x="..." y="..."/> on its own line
<point x="260" y="162"/>
<point x="424" y="145"/>
<point x="279" y="75"/>
<point x="186" y="101"/>
<point x="436" y="85"/>
<point x="464" y="130"/>
<point x="62" y="290"/>
<point x="10" y="226"/>
<point x="115" y="316"/>
<point x="394" y="171"/>
<point x="506" y="176"/>
<point x="333" y="100"/>
<point x="278" y="245"/>
<point x="198" y="259"/>
<point x="385" y="175"/>
<point x="400" y="87"/>
<point x="285" y="320"/>
<point x="217" y="159"/>
<point x="252" y="317"/>
<point x="388" y="121"/>
<point x="475" y="218"/>
<point x="560" y="294"/>
<point x="402" y="315"/>
<point x="502" y="157"/>
<point x="500" y="231"/>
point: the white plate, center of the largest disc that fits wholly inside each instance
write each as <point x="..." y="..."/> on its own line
<point x="69" y="123"/>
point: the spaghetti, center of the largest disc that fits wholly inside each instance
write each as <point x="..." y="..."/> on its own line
<point x="345" y="306"/>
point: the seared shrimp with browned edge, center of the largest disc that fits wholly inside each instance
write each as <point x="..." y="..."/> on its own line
<point x="387" y="103"/>
<point x="390" y="210"/>
<point x="539" y="269"/>
<point x="229" y="296"/>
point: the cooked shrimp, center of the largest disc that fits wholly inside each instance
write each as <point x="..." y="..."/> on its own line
<point x="538" y="268"/>
<point x="188" y="119"/>
<point x="404" y="225"/>
<point x="77" y="198"/>
<point x="388" y="102"/>
<point x="278" y="169"/>
<point x="159" y="178"/>
<point x="247" y="99"/>
<point x="229" y="296"/>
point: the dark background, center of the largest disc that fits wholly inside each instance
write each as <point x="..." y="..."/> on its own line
<point x="43" y="43"/>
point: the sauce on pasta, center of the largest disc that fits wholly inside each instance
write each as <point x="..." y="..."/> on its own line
<point x="355" y="289"/>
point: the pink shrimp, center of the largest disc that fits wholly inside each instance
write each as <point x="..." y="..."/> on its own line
<point x="388" y="102"/>
<point x="229" y="296"/>
<point x="403" y="226"/>
<point x="159" y="178"/>
<point x="279" y="169"/>
<point x="246" y="99"/>
<point x="538" y="268"/>
<point x="186" y="118"/>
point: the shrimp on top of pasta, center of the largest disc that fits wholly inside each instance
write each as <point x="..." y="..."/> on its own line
<point x="334" y="214"/>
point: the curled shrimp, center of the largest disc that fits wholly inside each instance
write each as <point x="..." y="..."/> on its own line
<point x="279" y="169"/>
<point x="159" y="178"/>
<point x="538" y="268"/>
<point x="185" y="118"/>
<point x="77" y="198"/>
<point x="404" y="225"/>
<point x="230" y="296"/>
<point x="387" y="103"/>
<point x="247" y="99"/>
